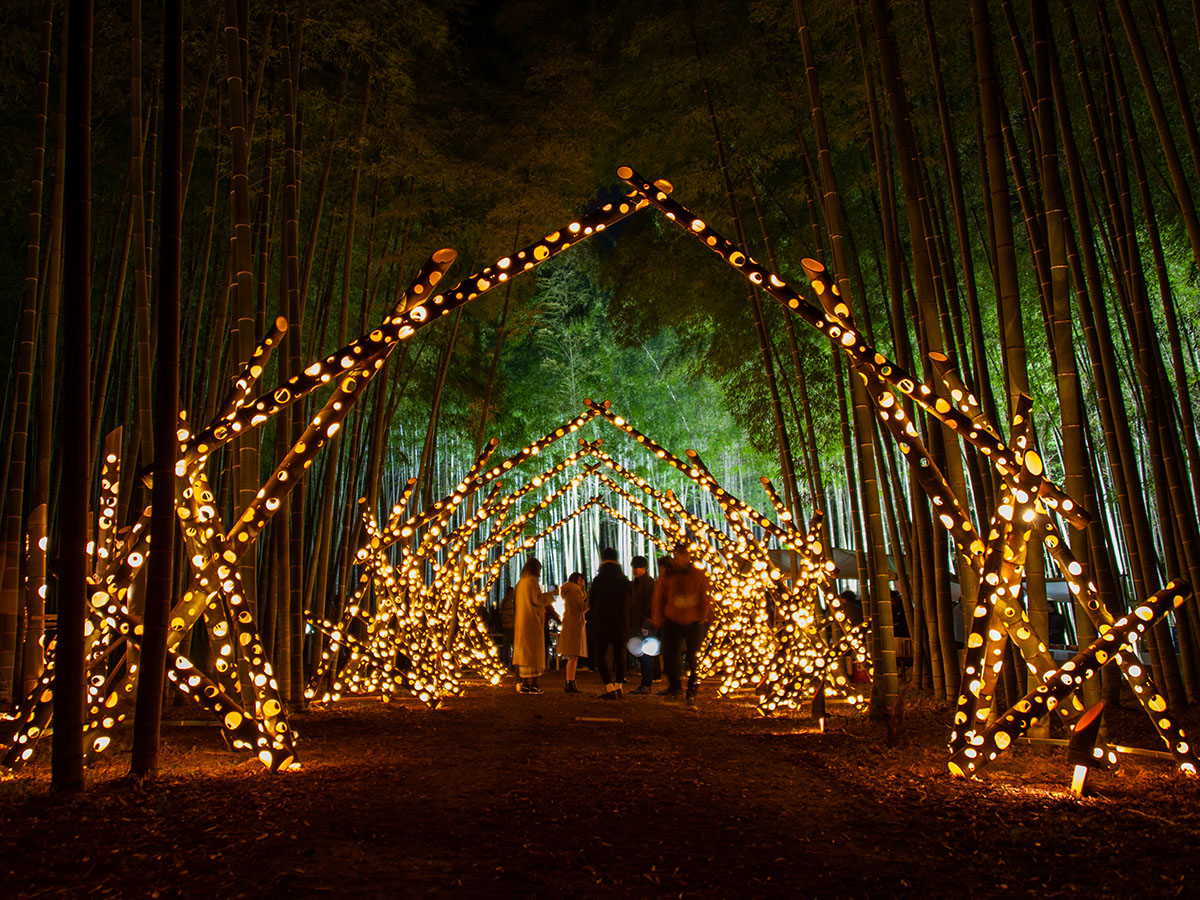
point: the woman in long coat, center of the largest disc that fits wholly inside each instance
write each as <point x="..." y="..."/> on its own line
<point x="529" y="636"/>
<point x="572" y="639"/>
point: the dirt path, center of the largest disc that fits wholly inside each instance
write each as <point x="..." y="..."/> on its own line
<point x="501" y="795"/>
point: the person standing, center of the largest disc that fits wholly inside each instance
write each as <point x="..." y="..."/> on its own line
<point x="641" y="606"/>
<point x="508" y="623"/>
<point x="609" y="600"/>
<point x="663" y="563"/>
<point x="681" y="608"/>
<point x="529" y="636"/>
<point x="572" y="638"/>
<point x="551" y="624"/>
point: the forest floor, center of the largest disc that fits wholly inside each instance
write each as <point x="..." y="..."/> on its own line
<point x="498" y="794"/>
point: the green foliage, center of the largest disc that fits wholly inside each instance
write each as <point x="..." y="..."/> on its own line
<point x="572" y="348"/>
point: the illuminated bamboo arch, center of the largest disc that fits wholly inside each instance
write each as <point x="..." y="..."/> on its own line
<point x="1023" y="515"/>
<point x="423" y="578"/>
<point x="241" y="690"/>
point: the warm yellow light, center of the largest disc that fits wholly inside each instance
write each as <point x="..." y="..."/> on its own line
<point x="1078" y="781"/>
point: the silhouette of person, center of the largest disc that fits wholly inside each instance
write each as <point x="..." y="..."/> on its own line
<point x="609" y="599"/>
<point x="641" y="604"/>
<point x="508" y="622"/>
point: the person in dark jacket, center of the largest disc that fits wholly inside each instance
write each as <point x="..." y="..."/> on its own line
<point x="609" y="616"/>
<point x="640" y="606"/>
<point x="508" y="624"/>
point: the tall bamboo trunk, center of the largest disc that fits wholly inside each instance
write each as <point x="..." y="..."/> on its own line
<point x="1086" y="277"/>
<point x="159" y="594"/>
<point x="1182" y="537"/>
<point x="330" y="493"/>
<point x="69" y="690"/>
<point x="290" y="363"/>
<point x="191" y="392"/>
<point x="49" y="305"/>
<point x="878" y="584"/>
<point x="246" y="475"/>
<point x="1183" y="191"/>
<point x="1075" y="456"/>
<point x="1095" y="318"/>
<point x="1008" y="298"/>
<point x="981" y="381"/>
<point x="923" y="265"/>
<point x="1124" y="261"/>
<point x="481" y="431"/>
<point x="797" y="511"/>
<point x="1180" y="505"/>
<point x="206" y="83"/>
<point x="32" y="652"/>
<point x="141" y="287"/>
<point x="10" y="546"/>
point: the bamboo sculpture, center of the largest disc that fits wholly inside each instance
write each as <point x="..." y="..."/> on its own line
<point x="422" y="576"/>
<point x="1024" y="514"/>
<point x="422" y="580"/>
<point x="241" y="691"/>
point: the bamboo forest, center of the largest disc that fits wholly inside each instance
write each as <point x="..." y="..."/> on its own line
<point x="800" y="395"/>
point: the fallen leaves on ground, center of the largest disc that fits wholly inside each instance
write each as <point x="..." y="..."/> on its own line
<point x="498" y="793"/>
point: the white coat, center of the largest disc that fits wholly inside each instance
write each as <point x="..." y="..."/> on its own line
<point x="572" y="639"/>
<point x="529" y="635"/>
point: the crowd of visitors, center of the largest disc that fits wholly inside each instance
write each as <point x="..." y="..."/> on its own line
<point x="616" y="616"/>
<point x="658" y="624"/>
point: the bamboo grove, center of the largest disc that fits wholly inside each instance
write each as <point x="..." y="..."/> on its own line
<point x="1000" y="196"/>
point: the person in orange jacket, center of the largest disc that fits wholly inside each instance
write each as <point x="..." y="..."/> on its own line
<point x="681" y="608"/>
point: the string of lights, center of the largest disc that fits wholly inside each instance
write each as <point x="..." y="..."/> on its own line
<point x="413" y="622"/>
<point x="1029" y="496"/>
<point x="241" y="691"/>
